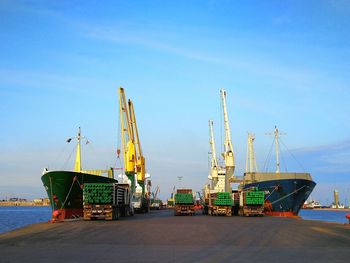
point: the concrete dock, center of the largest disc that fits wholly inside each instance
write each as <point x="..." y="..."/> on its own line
<point x="162" y="237"/>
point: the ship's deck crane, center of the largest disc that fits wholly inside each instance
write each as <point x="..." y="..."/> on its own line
<point x="251" y="166"/>
<point x="228" y="149"/>
<point x="214" y="162"/>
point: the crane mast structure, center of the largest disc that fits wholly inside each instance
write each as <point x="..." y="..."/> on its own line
<point x="228" y="153"/>
<point x="140" y="159"/>
<point x="214" y="162"/>
<point x="134" y="161"/>
<point x="251" y="166"/>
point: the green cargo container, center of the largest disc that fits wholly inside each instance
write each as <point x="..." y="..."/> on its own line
<point x="254" y="197"/>
<point x="223" y="202"/>
<point x="223" y="199"/>
<point x="98" y="193"/>
<point x="183" y="198"/>
<point x="223" y="195"/>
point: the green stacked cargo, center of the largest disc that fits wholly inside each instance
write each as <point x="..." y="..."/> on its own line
<point x="98" y="193"/>
<point x="223" y="199"/>
<point x="255" y="197"/>
<point x="183" y="198"/>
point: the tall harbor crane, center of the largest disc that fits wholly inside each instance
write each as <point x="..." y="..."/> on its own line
<point x="228" y="149"/>
<point x="140" y="159"/>
<point x="128" y="143"/>
<point x="214" y="162"/>
<point x="134" y="161"/>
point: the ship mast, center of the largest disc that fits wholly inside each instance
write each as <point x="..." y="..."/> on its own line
<point x="251" y="165"/>
<point x="277" y="134"/>
<point x="277" y="151"/>
<point x="214" y="161"/>
<point x="77" y="163"/>
<point x="228" y="149"/>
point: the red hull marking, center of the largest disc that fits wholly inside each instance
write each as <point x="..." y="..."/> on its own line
<point x="68" y="213"/>
<point x="282" y="214"/>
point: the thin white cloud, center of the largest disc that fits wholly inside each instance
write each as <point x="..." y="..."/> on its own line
<point x="331" y="159"/>
<point x="304" y="79"/>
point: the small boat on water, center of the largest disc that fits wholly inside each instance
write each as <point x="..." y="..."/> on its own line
<point x="312" y="205"/>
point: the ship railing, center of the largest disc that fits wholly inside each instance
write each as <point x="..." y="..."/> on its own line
<point x="109" y="172"/>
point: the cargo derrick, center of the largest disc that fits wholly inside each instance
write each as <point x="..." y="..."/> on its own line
<point x="214" y="162"/>
<point x="134" y="161"/>
<point x="228" y="149"/>
<point x="251" y="166"/>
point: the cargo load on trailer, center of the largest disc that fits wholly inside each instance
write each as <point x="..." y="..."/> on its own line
<point x="251" y="202"/>
<point x="106" y="201"/>
<point x="184" y="202"/>
<point x="220" y="204"/>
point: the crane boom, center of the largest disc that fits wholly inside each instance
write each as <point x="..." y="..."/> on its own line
<point x="228" y="142"/>
<point x="129" y="150"/>
<point x="228" y="149"/>
<point x="140" y="159"/>
<point x="214" y="161"/>
<point x="156" y="193"/>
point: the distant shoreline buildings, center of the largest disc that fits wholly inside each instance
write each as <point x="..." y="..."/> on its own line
<point x="15" y="201"/>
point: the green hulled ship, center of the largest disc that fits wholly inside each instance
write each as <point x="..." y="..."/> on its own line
<point x="65" y="188"/>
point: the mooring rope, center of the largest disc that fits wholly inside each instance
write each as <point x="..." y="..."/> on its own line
<point x="71" y="187"/>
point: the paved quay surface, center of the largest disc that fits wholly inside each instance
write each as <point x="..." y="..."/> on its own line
<point x="162" y="237"/>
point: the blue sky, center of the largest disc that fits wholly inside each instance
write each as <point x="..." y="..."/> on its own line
<point x="283" y="63"/>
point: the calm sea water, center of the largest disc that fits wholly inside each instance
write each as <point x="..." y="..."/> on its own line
<point x="12" y="217"/>
<point x="323" y="215"/>
<point x="15" y="216"/>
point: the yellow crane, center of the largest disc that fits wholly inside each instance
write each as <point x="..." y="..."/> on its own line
<point x="134" y="161"/>
<point x="140" y="159"/>
<point x="128" y="144"/>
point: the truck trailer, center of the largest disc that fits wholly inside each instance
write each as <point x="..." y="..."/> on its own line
<point x="184" y="202"/>
<point x="106" y="201"/>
